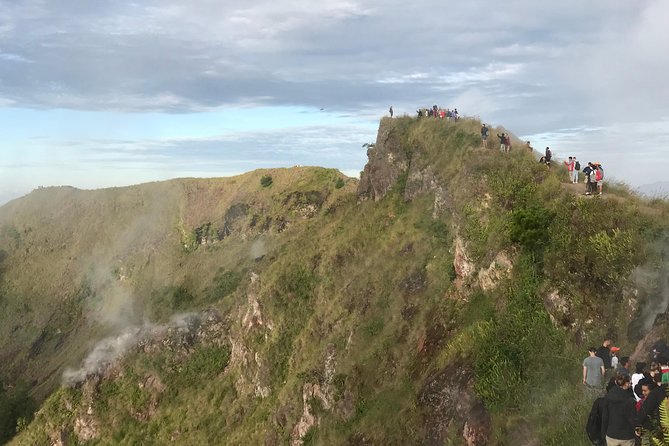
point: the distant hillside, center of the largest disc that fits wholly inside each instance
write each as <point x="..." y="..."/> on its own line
<point x="447" y="297"/>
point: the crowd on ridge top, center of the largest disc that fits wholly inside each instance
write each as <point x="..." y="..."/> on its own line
<point x="593" y="172"/>
<point x="628" y="412"/>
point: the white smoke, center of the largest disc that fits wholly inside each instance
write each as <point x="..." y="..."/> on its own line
<point x="104" y="354"/>
<point x="653" y="281"/>
<point x="110" y="350"/>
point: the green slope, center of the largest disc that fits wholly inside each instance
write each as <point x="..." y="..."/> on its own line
<point x="450" y="298"/>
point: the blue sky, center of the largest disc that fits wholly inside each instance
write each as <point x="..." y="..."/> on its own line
<point x="96" y="94"/>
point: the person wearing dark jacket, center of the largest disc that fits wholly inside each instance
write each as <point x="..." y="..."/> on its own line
<point x="604" y="352"/>
<point x="618" y="416"/>
<point x="650" y="408"/>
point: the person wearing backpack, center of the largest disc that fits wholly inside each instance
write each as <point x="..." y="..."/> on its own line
<point x="577" y="167"/>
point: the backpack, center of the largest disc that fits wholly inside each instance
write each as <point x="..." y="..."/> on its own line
<point x="594" y="425"/>
<point x="578" y="165"/>
<point x="599" y="174"/>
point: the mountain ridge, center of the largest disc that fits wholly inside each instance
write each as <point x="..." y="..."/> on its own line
<point x="326" y="310"/>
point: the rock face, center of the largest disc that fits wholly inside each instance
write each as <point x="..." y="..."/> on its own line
<point x="449" y="405"/>
<point x="388" y="160"/>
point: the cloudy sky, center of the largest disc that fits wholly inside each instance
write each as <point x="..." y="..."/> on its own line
<point x="96" y="93"/>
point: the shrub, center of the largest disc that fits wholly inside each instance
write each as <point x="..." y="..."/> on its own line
<point x="266" y="181"/>
<point x="339" y="183"/>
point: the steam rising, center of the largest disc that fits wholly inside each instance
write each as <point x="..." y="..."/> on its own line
<point x="103" y="355"/>
<point x="653" y="281"/>
<point x="111" y="349"/>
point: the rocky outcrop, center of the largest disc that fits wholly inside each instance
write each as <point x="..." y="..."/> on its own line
<point x="463" y="265"/>
<point x="387" y="162"/>
<point x="449" y="404"/>
<point x="315" y="394"/>
<point x="499" y="268"/>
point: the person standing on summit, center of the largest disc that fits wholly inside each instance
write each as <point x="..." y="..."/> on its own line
<point x="547" y="157"/>
<point x="502" y="142"/>
<point x="484" y="136"/>
<point x="391" y="111"/>
<point x="570" y="168"/>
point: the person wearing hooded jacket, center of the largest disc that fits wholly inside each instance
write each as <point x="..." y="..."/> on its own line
<point x="618" y="415"/>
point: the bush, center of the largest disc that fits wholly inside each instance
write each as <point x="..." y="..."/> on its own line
<point x="266" y="181"/>
<point x="530" y="227"/>
<point x="339" y="183"/>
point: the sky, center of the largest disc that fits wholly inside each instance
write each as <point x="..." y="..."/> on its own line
<point x="97" y="94"/>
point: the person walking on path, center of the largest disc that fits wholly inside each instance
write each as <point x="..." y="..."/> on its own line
<point x="604" y="352"/>
<point x="391" y="111"/>
<point x="507" y="142"/>
<point x="618" y="416"/>
<point x="593" y="370"/>
<point x="484" y="136"/>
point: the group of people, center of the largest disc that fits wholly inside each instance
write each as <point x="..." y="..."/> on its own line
<point x="594" y="175"/>
<point x="504" y="140"/>
<point x="630" y="408"/>
<point x="437" y="112"/>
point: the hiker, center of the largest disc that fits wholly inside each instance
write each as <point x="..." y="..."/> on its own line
<point x="618" y="416"/>
<point x="590" y="184"/>
<point x="484" y="136"/>
<point x="604" y="352"/>
<point x="649" y="411"/>
<point x="391" y="111"/>
<point x="636" y="377"/>
<point x="507" y="142"/>
<point x="593" y="370"/>
<point x="594" y="425"/>
<point x="529" y="147"/>
<point x="434" y="111"/>
<point x="502" y="142"/>
<point x="624" y="366"/>
<point x="456" y="115"/>
<point x="570" y="168"/>
<point x="614" y="358"/>
<point x="548" y="156"/>
<point x="577" y="167"/>
<point x="599" y="177"/>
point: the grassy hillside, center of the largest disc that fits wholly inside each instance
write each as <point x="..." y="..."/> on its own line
<point x="454" y="307"/>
